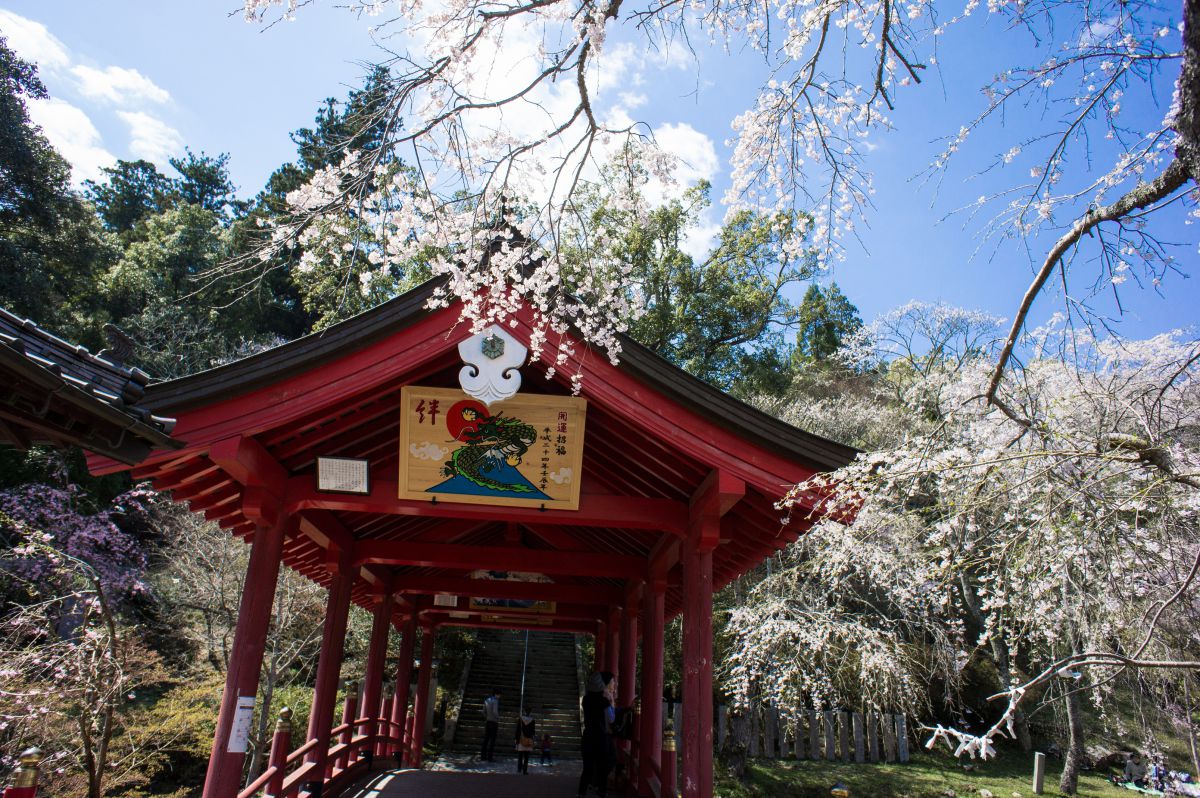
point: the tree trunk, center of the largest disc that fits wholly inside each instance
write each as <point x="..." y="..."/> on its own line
<point x="1075" y="750"/>
<point x="1000" y="656"/>
<point x="1003" y="663"/>
<point x="255" y="765"/>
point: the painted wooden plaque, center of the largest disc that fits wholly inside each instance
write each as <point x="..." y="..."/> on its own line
<point x="526" y="451"/>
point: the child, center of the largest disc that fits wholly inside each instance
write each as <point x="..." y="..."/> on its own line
<point x="547" y="745"/>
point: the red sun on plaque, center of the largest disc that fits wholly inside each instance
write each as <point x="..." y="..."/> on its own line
<point x="465" y="416"/>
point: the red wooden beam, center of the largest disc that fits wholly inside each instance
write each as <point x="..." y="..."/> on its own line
<point x="583" y="627"/>
<point x="186" y="473"/>
<point x="563" y="611"/>
<point x="200" y="487"/>
<point x="231" y="492"/>
<point x="505" y="589"/>
<point x="594" y="510"/>
<point x="502" y="558"/>
<point x="245" y="459"/>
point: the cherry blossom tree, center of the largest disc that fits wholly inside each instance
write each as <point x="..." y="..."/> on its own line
<point x="500" y="105"/>
<point x="1058" y="524"/>
<point x="71" y="670"/>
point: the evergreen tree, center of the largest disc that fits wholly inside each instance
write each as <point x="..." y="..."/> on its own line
<point x="826" y="319"/>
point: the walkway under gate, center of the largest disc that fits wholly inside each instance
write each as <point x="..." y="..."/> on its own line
<point x="446" y="784"/>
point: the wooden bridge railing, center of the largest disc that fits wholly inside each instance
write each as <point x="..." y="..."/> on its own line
<point x="353" y="746"/>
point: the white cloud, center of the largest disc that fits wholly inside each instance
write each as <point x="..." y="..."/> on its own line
<point x="150" y="137"/>
<point x="33" y="42"/>
<point x="118" y="85"/>
<point x="698" y="241"/>
<point x="632" y="99"/>
<point x="72" y="133"/>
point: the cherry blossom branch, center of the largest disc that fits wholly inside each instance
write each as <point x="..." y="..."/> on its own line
<point x="1174" y="177"/>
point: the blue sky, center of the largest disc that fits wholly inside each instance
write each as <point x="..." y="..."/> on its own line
<point x="143" y="79"/>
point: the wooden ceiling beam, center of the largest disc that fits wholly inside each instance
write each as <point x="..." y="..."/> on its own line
<point x="602" y="510"/>
<point x="507" y="589"/>
<point x="502" y="558"/>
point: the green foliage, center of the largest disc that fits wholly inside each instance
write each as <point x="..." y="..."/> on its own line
<point x="32" y="175"/>
<point x="825" y="320"/>
<point x="722" y="318"/>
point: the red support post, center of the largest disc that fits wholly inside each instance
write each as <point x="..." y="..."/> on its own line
<point x="627" y="671"/>
<point x="612" y="651"/>
<point x="281" y="746"/>
<point x="653" y="600"/>
<point x="329" y="667"/>
<point x="348" y="717"/>
<point x="421" y="701"/>
<point x="601" y="640"/>
<point x="384" y="729"/>
<point x="696" y="778"/>
<point x="400" y="714"/>
<point x="376" y="661"/>
<point x="245" y="662"/>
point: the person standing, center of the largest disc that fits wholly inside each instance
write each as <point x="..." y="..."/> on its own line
<point x="526" y="729"/>
<point x="598" y="716"/>
<point x="491" y="725"/>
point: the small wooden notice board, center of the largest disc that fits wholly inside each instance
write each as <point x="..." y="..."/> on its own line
<point x="526" y="451"/>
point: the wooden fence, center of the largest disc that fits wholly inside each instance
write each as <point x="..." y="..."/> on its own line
<point x="829" y="735"/>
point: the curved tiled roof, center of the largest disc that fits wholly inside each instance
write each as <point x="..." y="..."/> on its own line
<point x="275" y="364"/>
<point x="58" y="393"/>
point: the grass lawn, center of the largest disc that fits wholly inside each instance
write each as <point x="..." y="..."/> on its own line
<point x="928" y="775"/>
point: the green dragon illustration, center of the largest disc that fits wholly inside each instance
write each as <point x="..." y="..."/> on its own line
<point x="495" y="440"/>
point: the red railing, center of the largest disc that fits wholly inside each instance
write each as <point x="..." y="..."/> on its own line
<point x="354" y="746"/>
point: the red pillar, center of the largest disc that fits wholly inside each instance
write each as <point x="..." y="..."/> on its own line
<point x="612" y="652"/>
<point x="245" y="663"/>
<point x="403" y="680"/>
<point x="652" y="681"/>
<point x="376" y="661"/>
<point x="601" y="640"/>
<point x="627" y="669"/>
<point x="329" y="667"/>
<point x="697" y="776"/>
<point x="627" y="672"/>
<point x="422" y="699"/>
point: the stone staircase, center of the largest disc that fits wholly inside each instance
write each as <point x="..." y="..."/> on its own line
<point x="551" y="690"/>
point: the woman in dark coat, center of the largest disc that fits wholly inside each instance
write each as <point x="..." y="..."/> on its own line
<point x="598" y="715"/>
<point x="526" y="729"/>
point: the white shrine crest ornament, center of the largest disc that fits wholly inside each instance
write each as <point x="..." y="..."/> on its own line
<point x="493" y="359"/>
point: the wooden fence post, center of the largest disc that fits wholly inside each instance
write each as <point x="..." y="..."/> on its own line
<point x="901" y="739"/>
<point x="889" y="737"/>
<point x="873" y="735"/>
<point x="799" y="735"/>
<point x="830" y="736"/>
<point x="770" y="731"/>
<point x="858" y="737"/>
<point x="781" y="723"/>
<point x="814" y="734"/>
<point x="753" y="721"/>
<point x="722" y="722"/>
<point x="844" y="734"/>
